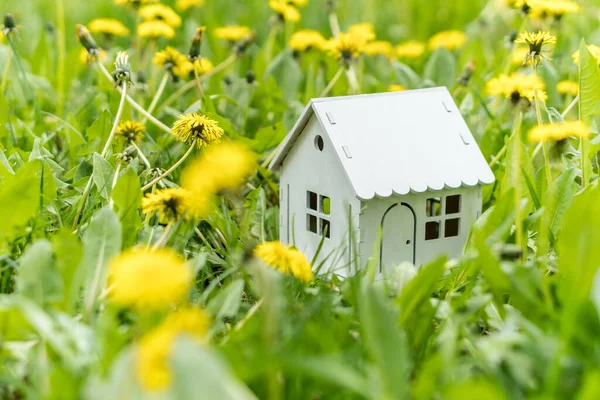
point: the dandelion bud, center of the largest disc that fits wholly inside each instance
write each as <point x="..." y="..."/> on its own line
<point x="9" y="24"/>
<point x="467" y="73"/>
<point x="330" y="6"/>
<point x="194" y="53"/>
<point x="243" y="44"/>
<point x="122" y="72"/>
<point x="86" y="40"/>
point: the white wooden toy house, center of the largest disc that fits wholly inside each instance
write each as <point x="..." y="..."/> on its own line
<point x="404" y="163"/>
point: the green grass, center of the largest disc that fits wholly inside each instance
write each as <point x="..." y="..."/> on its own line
<point x="516" y="316"/>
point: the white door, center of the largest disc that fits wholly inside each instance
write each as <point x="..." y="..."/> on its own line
<point x="398" y="241"/>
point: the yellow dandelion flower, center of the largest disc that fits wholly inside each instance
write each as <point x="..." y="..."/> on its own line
<point x="130" y="132"/>
<point x="519" y="4"/>
<point x="551" y="8"/>
<point x="285" y="259"/>
<point x="285" y="10"/>
<point x="171" y="204"/>
<point x="171" y="59"/>
<point x="517" y="86"/>
<point x="194" y="127"/>
<point x="396" y="88"/>
<point x="346" y="46"/>
<point x="559" y="131"/>
<point x="184" y="70"/>
<point x="298" y="3"/>
<point x="108" y="26"/>
<point x="148" y="279"/>
<point x="184" y="5"/>
<point x="568" y="87"/>
<point x="155" y="29"/>
<point x="232" y="33"/>
<point x="518" y="55"/>
<point x="87" y="58"/>
<point x="410" y="49"/>
<point x="450" y="40"/>
<point x="134" y="3"/>
<point x="595" y="50"/>
<point x="219" y="167"/>
<point x="160" y="12"/>
<point x="536" y="43"/>
<point x="379" y="47"/>
<point x="364" y="31"/>
<point x="152" y="358"/>
<point x="306" y="40"/>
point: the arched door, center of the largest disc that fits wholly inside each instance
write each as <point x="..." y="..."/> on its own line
<point x="398" y="224"/>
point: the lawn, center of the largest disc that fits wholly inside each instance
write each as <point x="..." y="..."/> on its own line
<point x="139" y="218"/>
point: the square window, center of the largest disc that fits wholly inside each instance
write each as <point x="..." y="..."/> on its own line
<point x="432" y="230"/>
<point x="451" y="227"/>
<point x="453" y="204"/>
<point x="325" y="228"/>
<point x="311" y="223"/>
<point x="325" y="205"/>
<point x="311" y="201"/>
<point x="433" y="207"/>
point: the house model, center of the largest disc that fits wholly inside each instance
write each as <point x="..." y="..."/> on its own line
<point x="402" y="165"/>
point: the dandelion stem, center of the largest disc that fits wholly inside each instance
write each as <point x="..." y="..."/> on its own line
<point x="538" y="114"/>
<point x="334" y="80"/>
<point x="5" y="76"/>
<point x="353" y="80"/>
<point x="164" y="237"/>
<point x="570" y="106"/>
<point x="179" y="92"/>
<point x="141" y="155"/>
<point x="198" y="83"/>
<point x="134" y="104"/>
<point x="170" y="170"/>
<point x="334" y="24"/>
<point x="498" y="156"/>
<point x="88" y="186"/>
<point x="159" y="92"/>
<point x="111" y="202"/>
<point x="516" y="167"/>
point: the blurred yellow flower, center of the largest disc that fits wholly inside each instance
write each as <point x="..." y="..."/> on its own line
<point x="307" y="39"/>
<point x="517" y="86"/>
<point x="448" y="39"/>
<point x="130" y="132"/>
<point x="195" y="127"/>
<point x="148" y="279"/>
<point x="595" y="50"/>
<point x="410" y="49"/>
<point x="155" y="347"/>
<point x="219" y="167"/>
<point x="396" y="88"/>
<point x="170" y="59"/>
<point x="160" y="12"/>
<point x="516" y="3"/>
<point x="134" y="3"/>
<point x="203" y="65"/>
<point x="171" y="204"/>
<point x="285" y="10"/>
<point x="155" y="29"/>
<point x="287" y="260"/>
<point x="184" y="5"/>
<point x="518" y="55"/>
<point x="559" y="131"/>
<point x="108" y="26"/>
<point x="364" y="31"/>
<point x="379" y="47"/>
<point x="568" y="87"/>
<point x="536" y="42"/>
<point x="232" y="33"/>
<point x="87" y="58"/>
<point x="346" y="46"/>
<point x="551" y="8"/>
<point x="298" y="3"/>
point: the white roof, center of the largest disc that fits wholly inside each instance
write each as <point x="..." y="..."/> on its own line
<point x="396" y="143"/>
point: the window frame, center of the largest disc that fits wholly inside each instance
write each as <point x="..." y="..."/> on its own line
<point x="323" y="218"/>
<point x="443" y="216"/>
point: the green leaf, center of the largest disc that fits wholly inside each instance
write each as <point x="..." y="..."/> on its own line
<point x="103" y="175"/>
<point x="19" y="199"/>
<point x="406" y="76"/>
<point x="198" y="369"/>
<point x="38" y="277"/>
<point x="269" y="137"/>
<point x="68" y="251"/>
<point x="227" y="303"/>
<point x="127" y="195"/>
<point x="441" y="68"/>
<point x="101" y="242"/>
<point x="589" y="83"/>
<point x="100" y="128"/>
<point x="385" y="341"/>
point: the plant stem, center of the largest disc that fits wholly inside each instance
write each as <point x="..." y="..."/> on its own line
<point x="5" y="76"/>
<point x="538" y="114"/>
<point x="111" y="202"/>
<point x="198" y="83"/>
<point x="570" y="106"/>
<point x="179" y="92"/>
<point x="334" y="80"/>
<point x="60" y="78"/>
<point x="518" y="211"/>
<point x="498" y="156"/>
<point x="352" y="80"/>
<point x="134" y="104"/>
<point x="141" y="155"/>
<point x="165" y="235"/>
<point x="159" y="92"/>
<point x="170" y="170"/>
<point x="88" y="186"/>
<point x="334" y="24"/>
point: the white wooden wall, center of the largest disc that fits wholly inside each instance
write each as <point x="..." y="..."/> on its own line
<point x="307" y="168"/>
